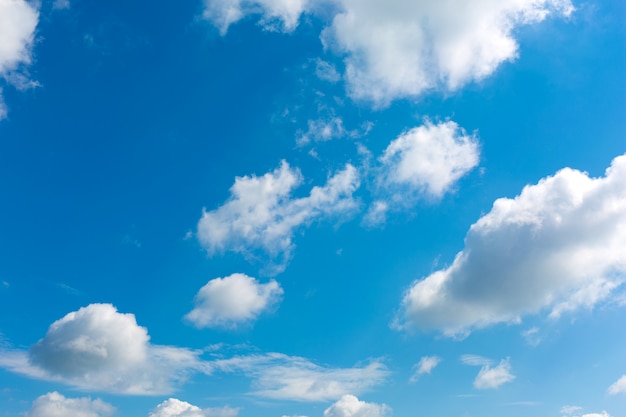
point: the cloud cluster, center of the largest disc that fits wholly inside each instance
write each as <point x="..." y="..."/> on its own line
<point x="54" y="404"/>
<point x="425" y="366"/>
<point x="235" y="299"/>
<point x="401" y="48"/>
<point x="98" y="348"/>
<point x="283" y="377"/>
<point x="558" y="245"/>
<point x="18" y="20"/>
<point x="351" y="406"/>
<point x="261" y="213"/>
<point x="173" y="407"/>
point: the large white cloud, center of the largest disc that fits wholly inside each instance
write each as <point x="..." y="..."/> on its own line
<point x="235" y="299"/>
<point x="261" y="213"/>
<point x="558" y="246"/>
<point x="279" y="376"/>
<point x="99" y="349"/>
<point x="173" y="407"/>
<point x="54" y="404"/>
<point x="619" y="387"/>
<point x="351" y="406"/>
<point x="18" y="20"/>
<point x="402" y="48"/>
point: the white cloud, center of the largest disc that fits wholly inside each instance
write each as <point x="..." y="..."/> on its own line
<point x="532" y="336"/>
<point x="425" y="366"/>
<point x="97" y="348"/>
<point x="570" y="409"/>
<point x="476" y="360"/>
<point x="262" y="215"/>
<point x="429" y="159"/>
<point x="61" y="4"/>
<point x="18" y="20"/>
<point x="54" y="404"/>
<point x="489" y="378"/>
<point x="351" y="406"/>
<point x="326" y="71"/>
<point x="235" y="299"/>
<point x="401" y="48"/>
<point x="279" y="376"/>
<point x="322" y="130"/>
<point x="282" y="15"/>
<point x="602" y="414"/>
<point x="619" y="387"/>
<point x="559" y="245"/>
<point x="176" y="408"/>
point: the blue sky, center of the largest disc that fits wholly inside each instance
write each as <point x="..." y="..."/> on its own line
<point x="340" y="208"/>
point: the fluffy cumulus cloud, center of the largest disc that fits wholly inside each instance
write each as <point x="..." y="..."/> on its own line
<point x="18" y="20"/>
<point x="278" y="376"/>
<point x="425" y="366"/>
<point x="54" y="404"/>
<point x="402" y="48"/>
<point x="261" y="213"/>
<point x="619" y="387"/>
<point x="351" y="406"/>
<point x="429" y="159"/>
<point x="558" y="246"/>
<point x="235" y="299"/>
<point x="177" y="408"/>
<point x="98" y="348"/>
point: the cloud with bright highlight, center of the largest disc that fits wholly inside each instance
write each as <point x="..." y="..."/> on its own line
<point x="558" y="246"/>
<point x="233" y="300"/>
<point x="54" y="404"/>
<point x="351" y="406"/>
<point x="174" y="407"/>
<point x="261" y="213"/>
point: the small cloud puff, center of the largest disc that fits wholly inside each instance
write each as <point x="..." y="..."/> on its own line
<point x="490" y="378"/>
<point x="176" y="408"/>
<point x="54" y="404"/>
<point x="351" y="406"/>
<point x="425" y="366"/>
<point x="230" y="301"/>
